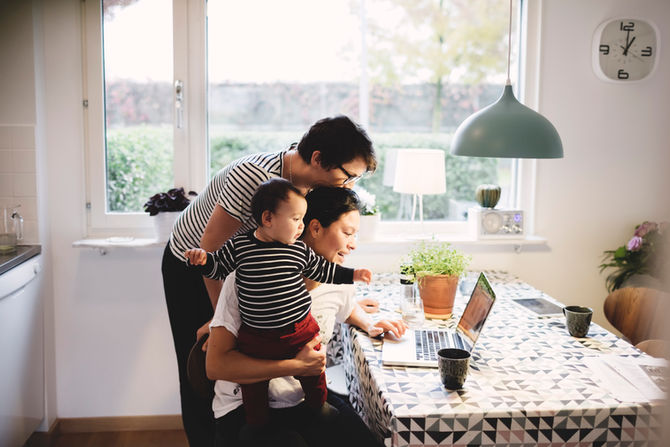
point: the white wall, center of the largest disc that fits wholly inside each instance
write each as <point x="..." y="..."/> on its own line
<point x="18" y="184"/>
<point x="113" y="348"/>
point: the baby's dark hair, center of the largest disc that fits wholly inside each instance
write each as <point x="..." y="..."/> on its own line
<point x="327" y="203"/>
<point x="268" y="196"/>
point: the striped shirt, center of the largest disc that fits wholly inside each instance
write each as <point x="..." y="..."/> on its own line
<point x="271" y="291"/>
<point x="232" y="188"/>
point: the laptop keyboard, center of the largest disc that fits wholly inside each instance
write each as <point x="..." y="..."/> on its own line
<point x="428" y="342"/>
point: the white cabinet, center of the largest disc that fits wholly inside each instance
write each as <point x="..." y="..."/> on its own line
<point x="21" y="354"/>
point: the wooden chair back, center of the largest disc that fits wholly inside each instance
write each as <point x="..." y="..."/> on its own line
<point x="637" y="313"/>
<point x="655" y="348"/>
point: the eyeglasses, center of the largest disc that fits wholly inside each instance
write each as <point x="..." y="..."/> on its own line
<point x="350" y="177"/>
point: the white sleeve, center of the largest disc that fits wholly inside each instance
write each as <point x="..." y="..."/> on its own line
<point x="348" y="303"/>
<point x="227" y="313"/>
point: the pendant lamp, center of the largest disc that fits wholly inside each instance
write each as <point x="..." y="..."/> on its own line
<point x="507" y="128"/>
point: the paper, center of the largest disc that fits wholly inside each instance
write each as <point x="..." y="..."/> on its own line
<point x="631" y="379"/>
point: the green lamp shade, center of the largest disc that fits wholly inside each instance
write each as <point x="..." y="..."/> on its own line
<point x="507" y="129"/>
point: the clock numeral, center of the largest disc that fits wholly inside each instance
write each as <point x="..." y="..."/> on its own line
<point x="621" y="74"/>
<point x="604" y="49"/>
<point x="646" y="52"/>
<point x="630" y="26"/>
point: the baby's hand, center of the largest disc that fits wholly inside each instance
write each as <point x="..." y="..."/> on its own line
<point x="196" y="256"/>
<point x="363" y="275"/>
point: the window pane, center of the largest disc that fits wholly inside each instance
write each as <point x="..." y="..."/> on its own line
<point x="431" y="64"/>
<point x="138" y="67"/>
<point x="274" y="68"/>
<point x="425" y="66"/>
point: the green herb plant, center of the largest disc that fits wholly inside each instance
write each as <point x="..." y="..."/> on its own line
<point x="437" y="258"/>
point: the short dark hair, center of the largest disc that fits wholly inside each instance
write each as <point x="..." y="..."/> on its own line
<point x="340" y="141"/>
<point x="327" y="203"/>
<point x="268" y="196"/>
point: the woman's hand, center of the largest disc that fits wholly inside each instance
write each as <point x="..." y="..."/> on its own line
<point x="204" y="329"/>
<point x="312" y="360"/>
<point x="396" y="327"/>
<point x="369" y="305"/>
<point x="225" y="362"/>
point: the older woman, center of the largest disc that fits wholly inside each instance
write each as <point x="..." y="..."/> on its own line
<point x="331" y="224"/>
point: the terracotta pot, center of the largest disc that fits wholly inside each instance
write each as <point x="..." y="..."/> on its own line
<point x="438" y="293"/>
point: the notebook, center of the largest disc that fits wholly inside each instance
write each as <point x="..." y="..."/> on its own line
<point x="419" y="347"/>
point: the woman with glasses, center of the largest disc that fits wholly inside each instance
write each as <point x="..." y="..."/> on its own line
<point x="333" y="152"/>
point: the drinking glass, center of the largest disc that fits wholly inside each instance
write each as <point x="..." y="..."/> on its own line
<point x="411" y="306"/>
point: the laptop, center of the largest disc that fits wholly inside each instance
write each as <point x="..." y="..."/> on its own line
<point x="419" y="347"/>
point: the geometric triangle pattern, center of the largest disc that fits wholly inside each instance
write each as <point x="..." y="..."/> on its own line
<point x="528" y="383"/>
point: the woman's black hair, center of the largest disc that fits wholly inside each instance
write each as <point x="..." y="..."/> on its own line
<point x="268" y="196"/>
<point x="339" y="140"/>
<point x="327" y="203"/>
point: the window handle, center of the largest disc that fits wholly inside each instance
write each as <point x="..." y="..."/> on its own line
<point x="179" y="102"/>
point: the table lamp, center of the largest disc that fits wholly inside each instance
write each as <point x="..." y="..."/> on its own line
<point x="419" y="172"/>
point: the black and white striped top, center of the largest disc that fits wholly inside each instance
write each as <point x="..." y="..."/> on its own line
<point x="271" y="291"/>
<point x="232" y="188"/>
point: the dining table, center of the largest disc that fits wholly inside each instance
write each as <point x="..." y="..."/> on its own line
<point x="529" y="381"/>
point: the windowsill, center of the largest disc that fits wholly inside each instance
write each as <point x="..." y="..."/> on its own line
<point x="105" y="244"/>
<point x="383" y="242"/>
<point x="387" y="243"/>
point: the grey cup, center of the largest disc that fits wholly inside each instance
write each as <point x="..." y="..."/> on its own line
<point x="453" y="365"/>
<point x="578" y="320"/>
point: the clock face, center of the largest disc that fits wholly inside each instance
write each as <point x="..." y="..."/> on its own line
<point x="625" y="50"/>
<point x="492" y="222"/>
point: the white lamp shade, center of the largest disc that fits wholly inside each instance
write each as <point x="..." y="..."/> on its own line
<point x="420" y="171"/>
<point x="389" y="167"/>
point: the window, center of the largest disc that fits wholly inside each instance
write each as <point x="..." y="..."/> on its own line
<point x="255" y="75"/>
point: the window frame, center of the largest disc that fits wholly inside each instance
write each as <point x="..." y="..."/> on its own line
<point x="190" y="156"/>
<point x="191" y="163"/>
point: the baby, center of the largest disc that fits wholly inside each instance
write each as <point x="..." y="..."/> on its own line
<point x="273" y="301"/>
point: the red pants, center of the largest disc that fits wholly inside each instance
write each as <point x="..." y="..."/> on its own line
<point x="278" y="344"/>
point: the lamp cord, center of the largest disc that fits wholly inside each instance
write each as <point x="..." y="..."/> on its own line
<point x="509" y="43"/>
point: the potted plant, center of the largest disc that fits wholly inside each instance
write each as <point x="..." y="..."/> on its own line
<point x="165" y="207"/>
<point x="643" y="261"/>
<point x="370" y="215"/>
<point x="437" y="267"/>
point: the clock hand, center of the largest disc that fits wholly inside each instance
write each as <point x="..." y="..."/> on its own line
<point x="625" y="50"/>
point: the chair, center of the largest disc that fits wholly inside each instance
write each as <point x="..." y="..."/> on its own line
<point x="655" y="348"/>
<point x="197" y="374"/>
<point x="637" y="312"/>
<point x="336" y="380"/>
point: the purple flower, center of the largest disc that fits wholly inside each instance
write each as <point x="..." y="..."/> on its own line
<point x="635" y="243"/>
<point x="645" y="227"/>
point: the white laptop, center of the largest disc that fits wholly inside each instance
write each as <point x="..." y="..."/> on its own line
<point x="419" y="347"/>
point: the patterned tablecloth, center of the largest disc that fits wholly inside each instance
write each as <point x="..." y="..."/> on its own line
<point x="528" y="383"/>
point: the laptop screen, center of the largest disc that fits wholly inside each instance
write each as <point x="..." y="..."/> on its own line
<point x="477" y="310"/>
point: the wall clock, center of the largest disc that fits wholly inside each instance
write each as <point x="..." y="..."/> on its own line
<point x="625" y="50"/>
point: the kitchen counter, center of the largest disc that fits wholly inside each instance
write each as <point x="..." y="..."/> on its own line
<point x="22" y="254"/>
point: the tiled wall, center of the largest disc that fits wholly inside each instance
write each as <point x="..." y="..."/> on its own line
<point x="18" y="182"/>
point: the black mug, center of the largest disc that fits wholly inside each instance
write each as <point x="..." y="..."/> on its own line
<point x="453" y="365"/>
<point x="578" y="320"/>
